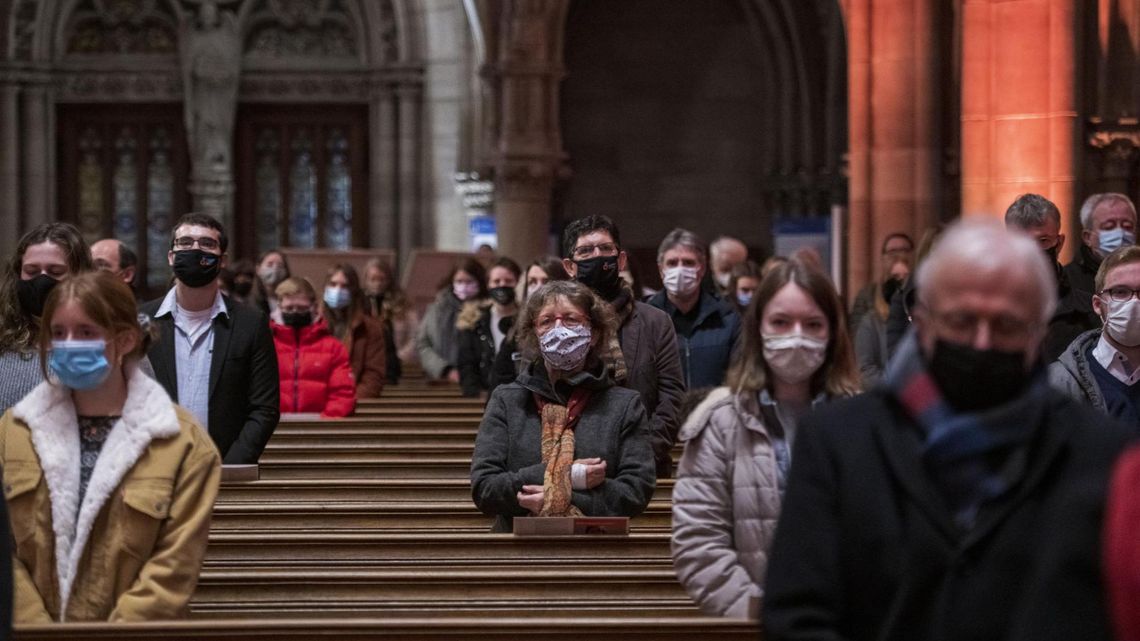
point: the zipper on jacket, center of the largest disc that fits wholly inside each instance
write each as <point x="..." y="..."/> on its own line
<point x="688" y="357"/>
<point x="297" y="372"/>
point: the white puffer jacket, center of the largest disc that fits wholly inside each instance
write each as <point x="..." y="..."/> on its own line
<point x="726" y="501"/>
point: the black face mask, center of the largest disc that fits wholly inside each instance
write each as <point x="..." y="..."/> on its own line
<point x="1051" y="254"/>
<point x="600" y="274"/>
<point x="502" y="295"/>
<point x="33" y="293"/>
<point x="505" y="324"/>
<point x="297" y="320"/>
<point x="890" y="287"/>
<point x="972" y="380"/>
<point x="196" y="268"/>
<point x="243" y="287"/>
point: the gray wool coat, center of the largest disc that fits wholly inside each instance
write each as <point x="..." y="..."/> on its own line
<point x="508" y="452"/>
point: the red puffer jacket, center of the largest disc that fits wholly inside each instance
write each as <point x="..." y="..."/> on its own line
<point x="314" y="371"/>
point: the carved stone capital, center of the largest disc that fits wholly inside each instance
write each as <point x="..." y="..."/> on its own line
<point x="119" y="86"/>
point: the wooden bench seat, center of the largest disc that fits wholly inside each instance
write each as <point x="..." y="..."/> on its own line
<point x="420" y="420"/>
<point x="361" y="437"/>
<point x="452" y="516"/>
<point x="305" y="589"/>
<point x="280" y="548"/>
<point x="350" y="490"/>
<point x="433" y="628"/>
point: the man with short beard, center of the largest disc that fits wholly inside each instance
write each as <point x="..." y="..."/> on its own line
<point x="644" y="355"/>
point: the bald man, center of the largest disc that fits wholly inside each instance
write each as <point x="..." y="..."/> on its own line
<point x="962" y="498"/>
<point x="725" y="253"/>
<point x="112" y="255"/>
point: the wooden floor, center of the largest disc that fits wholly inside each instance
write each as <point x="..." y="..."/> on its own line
<point x="364" y="528"/>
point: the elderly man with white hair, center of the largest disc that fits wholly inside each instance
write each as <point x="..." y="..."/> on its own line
<point x="963" y="498"/>
<point x="725" y="253"/>
<point x="1108" y="222"/>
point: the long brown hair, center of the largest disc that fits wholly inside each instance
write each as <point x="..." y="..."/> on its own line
<point x="344" y="320"/>
<point x="18" y="329"/>
<point x="838" y="376"/>
<point x="107" y="301"/>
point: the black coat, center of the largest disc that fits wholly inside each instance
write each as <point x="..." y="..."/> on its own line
<point x="1081" y="272"/>
<point x="245" y="393"/>
<point x="866" y="549"/>
<point x="477" y="355"/>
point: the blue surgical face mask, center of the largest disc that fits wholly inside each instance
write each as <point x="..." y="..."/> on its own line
<point x="337" y="297"/>
<point x="80" y="365"/>
<point x="1111" y="240"/>
<point x="744" y="299"/>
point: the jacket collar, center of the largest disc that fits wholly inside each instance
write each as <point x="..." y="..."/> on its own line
<point x="1074" y="360"/>
<point x="1087" y="259"/>
<point x="535" y="379"/>
<point x="707" y="306"/>
<point x="309" y="333"/>
<point x="50" y="415"/>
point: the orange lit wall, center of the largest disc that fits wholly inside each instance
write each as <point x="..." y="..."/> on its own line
<point x="1018" y="107"/>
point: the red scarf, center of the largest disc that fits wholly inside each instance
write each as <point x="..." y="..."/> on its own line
<point x="558" y="422"/>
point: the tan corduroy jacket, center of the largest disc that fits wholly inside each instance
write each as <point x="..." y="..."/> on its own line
<point x="133" y="549"/>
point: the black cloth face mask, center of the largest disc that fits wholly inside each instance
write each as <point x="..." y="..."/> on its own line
<point x="196" y="268"/>
<point x="600" y="274"/>
<point x="297" y="320"/>
<point x="243" y="287"/>
<point x="33" y="293"/>
<point x="890" y="287"/>
<point x="502" y="295"/>
<point x="972" y="380"/>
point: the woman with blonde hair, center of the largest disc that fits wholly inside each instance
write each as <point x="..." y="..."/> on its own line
<point x="796" y="354"/>
<point x="110" y="485"/>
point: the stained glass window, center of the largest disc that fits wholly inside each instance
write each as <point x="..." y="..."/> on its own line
<point x="338" y="222"/>
<point x="160" y="208"/>
<point x="90" y="183"/>
<point x="125" y="188"/>
<point x="268" y="190"/>
<point x="303" y="201"/>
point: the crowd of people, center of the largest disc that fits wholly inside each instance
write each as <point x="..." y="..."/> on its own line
<point x="945" y="459"/>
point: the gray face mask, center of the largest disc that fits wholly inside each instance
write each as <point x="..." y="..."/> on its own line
<point x="565" y="348"/>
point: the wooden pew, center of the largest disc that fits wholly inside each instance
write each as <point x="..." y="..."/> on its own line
<point x="494" y="590"/>
<point x="406" y="516"/>
<point x="459" y="549"/>
<point x="356" y="490"/>
<point x="546" y="628"/>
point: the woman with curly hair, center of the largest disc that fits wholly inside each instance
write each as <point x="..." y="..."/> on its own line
<point x="44" y="256"/>
<point x="563" y="439"/>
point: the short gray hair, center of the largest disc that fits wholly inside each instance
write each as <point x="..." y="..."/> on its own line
<point x="1031" y="210"/>
<point x="984" y="247"/>
<point x="1096" y="200"/>
<point x="682" y="238"/>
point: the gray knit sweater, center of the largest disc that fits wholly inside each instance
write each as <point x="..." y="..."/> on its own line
<point x="19" y="373"/>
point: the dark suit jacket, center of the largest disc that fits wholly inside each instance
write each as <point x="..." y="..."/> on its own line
<point x="649" y="346"/>
<point x="245" y="398"/>
<point x="866" y="548"/>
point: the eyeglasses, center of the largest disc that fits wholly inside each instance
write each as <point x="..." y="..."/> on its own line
<point x="1119" y="294"/>
<point x="545" y="323"/>
<point x="204" y="242"/>
<point x="604" y="249"/>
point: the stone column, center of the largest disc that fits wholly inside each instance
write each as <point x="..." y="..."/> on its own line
<point x="384" y="227"/>
<point x="36" y="159"/>
<point x="1019" y="116"/>
<point x="409" y="224"/>
<point x="10" y="164"/>
<point x="893" y="159"/>
<point x="522" y="73"/>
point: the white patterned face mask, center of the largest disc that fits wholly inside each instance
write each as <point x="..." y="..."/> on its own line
<point x="794" y="357"/>
<point x="680" y="280"/>
<point x="565" y="348"/>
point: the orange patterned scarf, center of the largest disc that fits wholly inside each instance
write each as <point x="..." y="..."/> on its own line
<point x="558" y="423"/>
